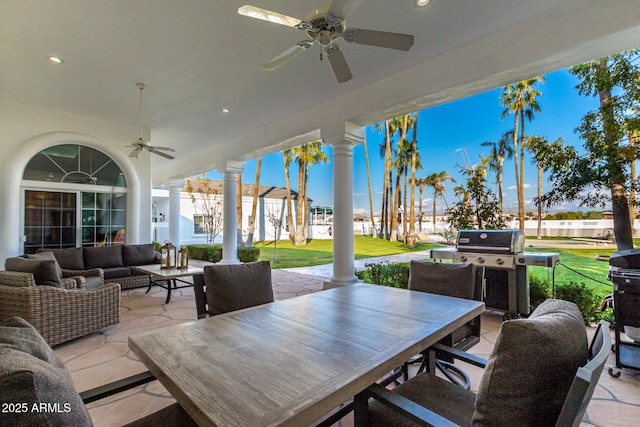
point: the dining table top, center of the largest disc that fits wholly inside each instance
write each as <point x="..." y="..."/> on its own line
<point x="290" y="362"/>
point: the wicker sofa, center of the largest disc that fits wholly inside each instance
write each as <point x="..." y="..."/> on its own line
<point x="63" y="313"/>
<point x="115" y="263"/>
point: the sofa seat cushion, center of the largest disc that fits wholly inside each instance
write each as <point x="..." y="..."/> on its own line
<point x="32" y="375"/>
<point x="115" y="272"/>
<point x="69" y="258"/>
<point x="455" y="280"/>
<point x="44" y="270"/>
<point x="139" y="254"/>
<point x="532" y="367"/>
<point x="103" y="257"/>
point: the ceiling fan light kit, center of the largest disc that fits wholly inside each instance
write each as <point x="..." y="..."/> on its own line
<point x="142" y="144"/>
<point x="325" y="25"/>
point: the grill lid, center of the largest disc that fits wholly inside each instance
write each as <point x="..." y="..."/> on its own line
<point x="628" y="258"/>
<point x="491" y="241"/>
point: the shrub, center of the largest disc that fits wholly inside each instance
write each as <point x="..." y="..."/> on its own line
<point x="205" y="252"/>
<point x="584" y="297"/>
<point x="395" y="275"/>
<point x="248" y="253"/>
<point x="538" y="290"/>
<point x="213" y="253"/>
<point x="157" y="245"/>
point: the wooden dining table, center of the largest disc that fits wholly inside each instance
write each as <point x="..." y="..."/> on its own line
<point x="290" y="362"/>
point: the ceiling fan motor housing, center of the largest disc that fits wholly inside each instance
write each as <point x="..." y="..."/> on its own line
<point x="326" y="28"/>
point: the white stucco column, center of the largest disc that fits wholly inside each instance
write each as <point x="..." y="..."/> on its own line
<point x="343" y="250"/>
<point x="229" y="234"/>
<point x="174" y="211"/>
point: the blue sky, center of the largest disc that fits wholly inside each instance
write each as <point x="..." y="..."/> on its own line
<point x="445" y="132"/>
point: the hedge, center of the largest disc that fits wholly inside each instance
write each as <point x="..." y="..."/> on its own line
<point x="213" y="253"/>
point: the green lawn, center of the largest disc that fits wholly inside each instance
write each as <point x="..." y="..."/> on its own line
<point x="317" y="252"/>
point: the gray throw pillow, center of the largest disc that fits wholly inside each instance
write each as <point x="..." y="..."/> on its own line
<point x="44" y="271"/>
<point x="48" y="256"/>
<point x="237" y="286"/>
<point x="455" y="280"/>
<point x="32" y="375"/>
<point x="532" y="367"/>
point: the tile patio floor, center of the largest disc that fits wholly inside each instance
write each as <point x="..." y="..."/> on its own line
<point x="104" y="357"/>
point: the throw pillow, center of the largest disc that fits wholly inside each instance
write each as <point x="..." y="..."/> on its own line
<point x="44" y="271"/>
<point x="532" y="367"/>
<point x="68" y="258"/>
<point x="238" y="286"/>
<point x="454" y="280"/>
<point x="48" y="256"/>
<point x="31" y="374"/>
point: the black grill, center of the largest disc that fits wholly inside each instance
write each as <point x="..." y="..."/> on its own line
<point x="508" y="242"/>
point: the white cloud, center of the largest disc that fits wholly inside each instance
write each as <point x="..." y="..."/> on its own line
<point x="358" y="194"/>
<point x="513" y="187"/>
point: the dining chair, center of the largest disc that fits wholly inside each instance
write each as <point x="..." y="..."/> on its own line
<point x="461" y="280"/>
<point x="541" y="372"/>
<point x="229" y="287"/>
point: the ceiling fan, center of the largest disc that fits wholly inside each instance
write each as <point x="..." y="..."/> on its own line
<point x="325" y="25"/>
<point x="140" y="144"/>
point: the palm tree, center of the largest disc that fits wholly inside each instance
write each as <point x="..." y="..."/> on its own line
<point x="541" y="151"/>
<point x="239" y="210"/>
<point x="437" y="180"/>
<point x="385" y="150"/>
<point x="500" y="151"/>
<point x="402" y="164"/>
<point x="254" y="205"/>
<point x="422" y="182"/>
<point x="402" y="124"/>
<point x="288" y="158"/>
<point x="374" y="233"/>
<point x="305" y="155"/>
<point x="519" y="99"/>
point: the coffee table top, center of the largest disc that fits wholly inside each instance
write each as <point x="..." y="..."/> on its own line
<point x="169" y="273"/>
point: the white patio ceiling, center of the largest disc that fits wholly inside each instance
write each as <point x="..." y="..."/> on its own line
<point x="198" y="56"/>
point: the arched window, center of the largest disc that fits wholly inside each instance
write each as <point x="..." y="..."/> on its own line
<point x="73" y="196"/>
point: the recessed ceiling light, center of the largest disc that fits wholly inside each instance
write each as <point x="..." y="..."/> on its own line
<point x="55" y="59"/>
<point x="421" y="3"/>
<point x="225" y="110"/>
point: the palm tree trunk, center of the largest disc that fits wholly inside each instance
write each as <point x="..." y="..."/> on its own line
<point x="435" y="195"/>
<point x="374" y="234"/>
<point x="387" y="182"/>
<point x="287" y="183"/>
<point x="500" y="179"/>
<point x="394" y="211"/>
<point x="411" y="239"/>
<point x="404" y="210"/>
<point x="300" y="212"/>
<point x="515" y="162"/>
<point x="633" y="192"/>
<point x="254" y="204"/>
<point x="420" y="213"/>
<point x="539" y="233"/>
<point x="521" y="176"/>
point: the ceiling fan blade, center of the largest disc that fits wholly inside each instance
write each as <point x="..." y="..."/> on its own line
<point x="286" y="55"/>
<point x="338" y="63"/>
<point x="379" y="38"/>
<point x="162" y="148"/>
<point x="160" y="153"/>
<point x="343" y="8"/>
<point x="268" y="15"/>
<point x="134" y="153"/>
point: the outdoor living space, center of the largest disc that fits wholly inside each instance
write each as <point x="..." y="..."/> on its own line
<point x="105" y="357"/>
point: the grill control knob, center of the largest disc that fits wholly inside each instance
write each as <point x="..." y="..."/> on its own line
<point x="499" y="261"/>
<point x="480" y="260"/>
<point x="463" y="258"/>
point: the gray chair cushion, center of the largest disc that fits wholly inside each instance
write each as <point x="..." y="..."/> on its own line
<point x="48" y="256"/>
<point x="237" y="286"/>
<point x="455" y="280"/>
<point x="440" y="396"/>
<point x="69" y="258"/>
<point x="116" y="272"/>
<point x="104" y="257"/>
<point x="44" y="271"/>
<point x="532" y="367"/>
<point x="138" y="254"/>
<point x="32" y="374"/>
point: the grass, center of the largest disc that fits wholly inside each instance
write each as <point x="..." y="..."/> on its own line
<point x="574" y="263"/>
<point x="317" y="252"/>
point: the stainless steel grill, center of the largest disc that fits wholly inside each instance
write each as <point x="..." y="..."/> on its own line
<point x="505" y="264"/>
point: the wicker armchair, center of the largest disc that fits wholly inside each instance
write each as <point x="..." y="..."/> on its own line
<point x="59" y="314"/>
